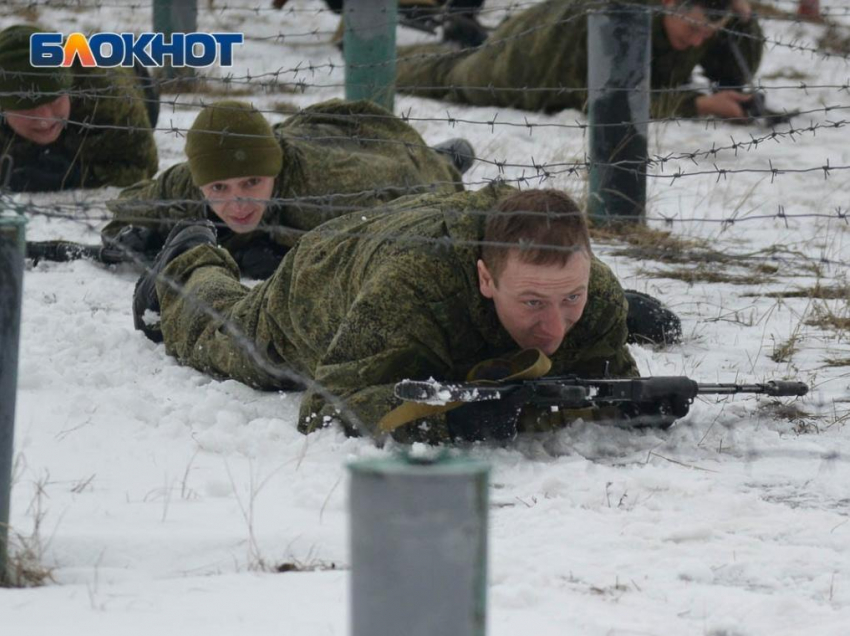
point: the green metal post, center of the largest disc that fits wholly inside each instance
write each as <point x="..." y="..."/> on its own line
<point x="175" y="16"/>
<point x="12" y="248"/>
<point x="369" y="48"/>
<point x="618" y="42"/>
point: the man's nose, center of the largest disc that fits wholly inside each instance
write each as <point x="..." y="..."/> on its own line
<point x="554" y="323"/>
<point x="44" y="117"/>
<point x="698" y="38"/>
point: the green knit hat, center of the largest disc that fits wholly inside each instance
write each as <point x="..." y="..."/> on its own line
<point x="23" y="86"/>
<point x="231" y="139"/>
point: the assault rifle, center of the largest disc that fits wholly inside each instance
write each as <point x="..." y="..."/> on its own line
<point x="756" y="108"/>
<point x="652" y="401"/>
<point x="63" y="251"/>
<point x="131" y="245"/>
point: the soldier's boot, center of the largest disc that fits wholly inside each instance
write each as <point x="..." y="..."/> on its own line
<point x="459" y="151"/>
<point x="465" y="30"/>
<point x="650" y="322"/>
<point x="183" y="236"/>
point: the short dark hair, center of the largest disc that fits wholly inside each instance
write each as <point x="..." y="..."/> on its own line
<point x="543" y="227"/>
<point x="714" y="9"/>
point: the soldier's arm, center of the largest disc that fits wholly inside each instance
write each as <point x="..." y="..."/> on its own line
<point x="211" y="322"/>
<point x="718" y="62"/>
<point x="119" y="148"/>
<point x="156" y="204"/>
<point x="391" y="332"/>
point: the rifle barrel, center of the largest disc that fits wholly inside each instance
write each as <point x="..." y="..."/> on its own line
<point x="776" y="388"/>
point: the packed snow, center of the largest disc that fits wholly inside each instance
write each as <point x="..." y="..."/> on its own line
<point x="160" y="500"/>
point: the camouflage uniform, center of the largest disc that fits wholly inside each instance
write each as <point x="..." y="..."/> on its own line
<point x="337" y="157"/>
<point x="367" y="300"/>
<point x="100" y="99"/>
<point x="546" y="47"/>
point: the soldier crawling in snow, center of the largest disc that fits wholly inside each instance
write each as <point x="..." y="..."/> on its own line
<point x="537" y="60"/>
<point x="74" y="127"/>
<point x="426" y="286"/>
<point x="266" y="185"/>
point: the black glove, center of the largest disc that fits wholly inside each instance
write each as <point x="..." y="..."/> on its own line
<point x="183" y="236"/>
<point x="260" y="260"/>
<point x="488" y="420"/>
<point x="51" y="172"/>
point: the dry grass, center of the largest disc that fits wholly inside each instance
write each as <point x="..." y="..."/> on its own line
<point x="837" y="362"/>
<point x="818" y="291"/>
<point x="835" y="40"/>
<point x="826" y="318"/>
<point x="705" y="274"/>
<point x="299" y="566"/>
<point x="803" y="422"/>
<point x="285" y="108"/>
<point x="27" y="13"/>
<point x="784" y="351"/>
<point x="772" y="11"/>
<point x="26" y="552"/>
<point x="644" y="243"/>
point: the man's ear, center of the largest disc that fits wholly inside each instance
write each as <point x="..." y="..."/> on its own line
<point x="486" y="282"/>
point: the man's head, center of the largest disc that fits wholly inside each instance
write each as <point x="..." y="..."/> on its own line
<point x="234" y="159"/>
<point x="31" y="98"/>
<point x="535" y="266"/>
<point x="689" y="23"/>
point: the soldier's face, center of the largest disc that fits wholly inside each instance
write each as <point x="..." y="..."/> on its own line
<point x="689" y="27"/>
<point x="43" y="124"/>
<point x="239" y="202"/>
<point x="538" y="304"/>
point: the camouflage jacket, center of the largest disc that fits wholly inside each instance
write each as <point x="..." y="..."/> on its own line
<point x="337" y="157"/>
<point x="545" y="47"/>
<point x="367" y="300"/>
<point x="108" y="134"/>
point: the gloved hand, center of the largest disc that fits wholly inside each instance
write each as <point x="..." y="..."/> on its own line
<point x="489" y="420"/>
<point x="50" y="173"/>
<point x="183" y="236"/>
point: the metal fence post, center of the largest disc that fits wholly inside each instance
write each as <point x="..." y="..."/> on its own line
<point x="618" y="42"/>
<point x="418" y="547"/>
<point x="175" y="16"/>
<point x="12" y="247"/>
<point x="369" y="50"/>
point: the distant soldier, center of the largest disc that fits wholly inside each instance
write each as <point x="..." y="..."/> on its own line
<point x="74" y="127"/>
<point x="428" y="286"/>
<point x="537" y="60"/>
<point x="266" y="185"/>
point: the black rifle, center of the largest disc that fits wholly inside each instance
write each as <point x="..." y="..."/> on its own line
<point x="653" y="401"/>
<point x="756" y="108"/>
<point x="63" y="251"/>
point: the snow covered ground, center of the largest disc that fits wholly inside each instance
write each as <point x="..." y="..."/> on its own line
<point x="163" y="501"/>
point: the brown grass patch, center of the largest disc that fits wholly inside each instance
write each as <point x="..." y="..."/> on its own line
<point x="285" y="108"/>
<point x="784" y="351"/>
<point x="819" y="291"/>
<point x="771" y="11"/>
<point x="825" y="318"/>
<point x="835" y="39"/>
<point x="27" y="13"/>
<point x="705" y="274"/>
<point x="837" y="362"/>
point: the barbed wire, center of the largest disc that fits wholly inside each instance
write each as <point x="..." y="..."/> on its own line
<point x="491" y="42"/>
<point x="557" y="168"/>
<point x="541" y="169"/>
